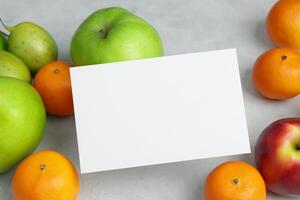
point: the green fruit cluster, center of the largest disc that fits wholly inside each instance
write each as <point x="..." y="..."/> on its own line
<point x="28" y="45"/>
<point x="108" y="35"/>
<point x="23" y="51"/>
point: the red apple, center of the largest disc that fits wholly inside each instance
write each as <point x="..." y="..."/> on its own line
<point x="277" y="155"/>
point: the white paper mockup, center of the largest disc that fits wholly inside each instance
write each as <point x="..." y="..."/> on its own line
<point x="159" y="110"/>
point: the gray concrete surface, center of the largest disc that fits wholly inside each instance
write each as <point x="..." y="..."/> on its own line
<point x="185" y="27"/>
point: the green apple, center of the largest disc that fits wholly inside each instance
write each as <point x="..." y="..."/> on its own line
<point x="114" y="34"/>
<point x="11" y="66"/>
<point x="32" y="44"/>
<point x="22" y="121"/>
<point x="2" y="41"/>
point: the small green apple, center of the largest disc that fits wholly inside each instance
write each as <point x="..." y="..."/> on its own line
<point x="11" y="66"/>
<point x="22" y="121"/>
<point x="114" y="34"/>
<point x="32" y="44"/>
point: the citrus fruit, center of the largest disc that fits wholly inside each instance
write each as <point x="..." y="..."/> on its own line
<point x="276" y="73"/>
<point x="234" y="180"/>
<point x="46" y="175"/>
<point x="283" y="23"/>
<point x="54" y="85"/>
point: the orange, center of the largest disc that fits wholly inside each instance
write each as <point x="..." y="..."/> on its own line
<point x="283" y="23"/>
<point x="54" y="85"/>
<point x="234" y="180"/>
<point x="46" y="175"/>
<point x="276" y="74"/>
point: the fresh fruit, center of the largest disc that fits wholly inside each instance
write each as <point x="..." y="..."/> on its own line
<point x="276" y="74"/>
<point x="277" y="155"/>
<point x="114" y="34"/>
<point x="234" y="180"/>
<point x="11" y="66"/>
<point x="283" y="23"/>
<point x="22" y="121"/>
<point x="46" y="175"/>
<point x="32" y="44"/>
<point x="2" y="42"/>
<point x="54" y="85"/>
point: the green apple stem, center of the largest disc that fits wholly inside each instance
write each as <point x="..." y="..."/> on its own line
<point x="1" y="21"/>
<point x="6" y="35"/>
<point x="8" y="28"/>
<point x="104" y="32"/>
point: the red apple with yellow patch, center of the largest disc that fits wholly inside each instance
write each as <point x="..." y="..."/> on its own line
<point x="277" y="155"/>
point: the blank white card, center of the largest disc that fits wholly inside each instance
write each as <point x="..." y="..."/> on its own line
<point x="159" y="110"/>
